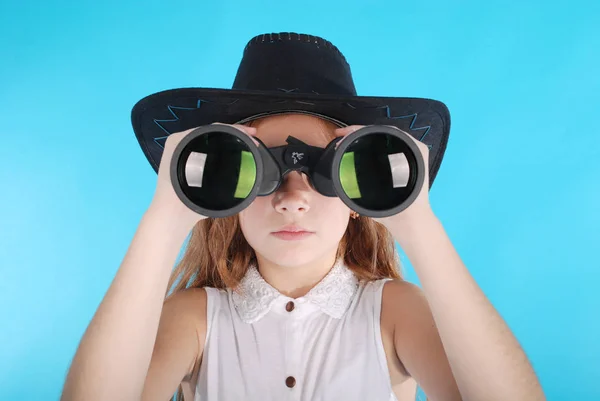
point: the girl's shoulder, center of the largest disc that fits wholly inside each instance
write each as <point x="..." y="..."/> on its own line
<point x="187" y="309"/>
<point x="399" y="297"/>
<point x="394" y="288"/>
<point x="179" y="341"/>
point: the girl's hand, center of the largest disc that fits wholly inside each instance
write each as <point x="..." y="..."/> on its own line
<point x="165" y="199"/>
<point x="420" y="207"/>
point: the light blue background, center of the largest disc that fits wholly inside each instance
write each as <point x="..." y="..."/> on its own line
<point x="518" y="191"/>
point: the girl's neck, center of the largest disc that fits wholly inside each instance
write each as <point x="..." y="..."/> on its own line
<point x="296" y="281"/>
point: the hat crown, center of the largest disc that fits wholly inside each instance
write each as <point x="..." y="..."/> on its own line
<point x="295" y="63"/>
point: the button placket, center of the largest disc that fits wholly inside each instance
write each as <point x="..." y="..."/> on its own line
<point x="293" y="346"/>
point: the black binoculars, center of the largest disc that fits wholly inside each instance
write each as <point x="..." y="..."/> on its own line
<point x="218" y="170"/>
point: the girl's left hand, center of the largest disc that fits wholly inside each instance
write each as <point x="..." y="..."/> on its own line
<point x="417" y="210"/>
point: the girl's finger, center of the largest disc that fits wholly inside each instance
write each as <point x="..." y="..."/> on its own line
<point x="347" y="130"/>
<point x="250" y="131"/>
<point x="246" y="129"/>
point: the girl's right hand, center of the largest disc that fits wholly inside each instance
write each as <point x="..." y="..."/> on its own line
<point x="165" y="199"/>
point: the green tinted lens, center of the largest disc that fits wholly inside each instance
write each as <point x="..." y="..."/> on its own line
<point x="219" y="171"/>
<point x="348" y="176"/>
<point x="378" y="171"/>
<point x="247" y="175"/>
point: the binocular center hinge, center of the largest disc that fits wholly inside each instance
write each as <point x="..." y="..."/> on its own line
<point x="296" y="157"/>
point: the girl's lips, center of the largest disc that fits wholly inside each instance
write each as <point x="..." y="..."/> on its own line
<point x="292" y="236"/>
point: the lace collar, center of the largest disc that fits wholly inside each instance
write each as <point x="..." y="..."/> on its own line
<point x="333" y="294"/>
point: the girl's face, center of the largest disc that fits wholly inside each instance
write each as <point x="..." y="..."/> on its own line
<point x="296" y="202"/>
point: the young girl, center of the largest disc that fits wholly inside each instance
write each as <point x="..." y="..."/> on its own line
<point x="294" y="298"/>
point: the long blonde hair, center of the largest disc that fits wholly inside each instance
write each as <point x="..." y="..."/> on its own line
<point x="217" y="255"/>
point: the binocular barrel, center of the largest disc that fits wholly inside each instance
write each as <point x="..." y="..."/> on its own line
<point x="377" y="171"/>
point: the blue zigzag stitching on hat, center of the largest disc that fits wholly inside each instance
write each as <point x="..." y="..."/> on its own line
<point x="388" y="114"/>
<point x="200" y="101"/>
<point x="176" y="118"/>
<point x="412" y="123"/>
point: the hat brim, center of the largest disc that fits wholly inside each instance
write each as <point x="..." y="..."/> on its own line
<point x="157" y="116"/>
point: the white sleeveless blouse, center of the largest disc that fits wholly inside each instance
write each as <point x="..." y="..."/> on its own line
<point x="326" y="345"/>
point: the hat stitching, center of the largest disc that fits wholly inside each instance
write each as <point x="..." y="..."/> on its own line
<point x="295" y="89"/>
<point x="172" y="111"/>
<point x="388" y="114"/>
<point x="318" y="41"/>
<point x="200" y="101"/>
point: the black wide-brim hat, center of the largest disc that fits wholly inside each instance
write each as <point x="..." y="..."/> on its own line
<point x="288" y="72"/>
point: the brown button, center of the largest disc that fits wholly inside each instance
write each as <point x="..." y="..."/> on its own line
<point x="290" y="381"/>
<point x="289" y="306"/>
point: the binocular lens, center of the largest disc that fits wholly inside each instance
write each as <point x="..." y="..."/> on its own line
<point x="378" y="171"/>
<point x="217" y="171"/>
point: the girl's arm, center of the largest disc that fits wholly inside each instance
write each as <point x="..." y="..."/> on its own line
<point x="485" y="358"/>
<point x="113" y="358"/>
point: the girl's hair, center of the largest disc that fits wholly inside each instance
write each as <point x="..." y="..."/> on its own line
<point x="218" y="255"/>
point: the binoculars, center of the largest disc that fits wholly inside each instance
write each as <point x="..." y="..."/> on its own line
<point x="217" y="170"/>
